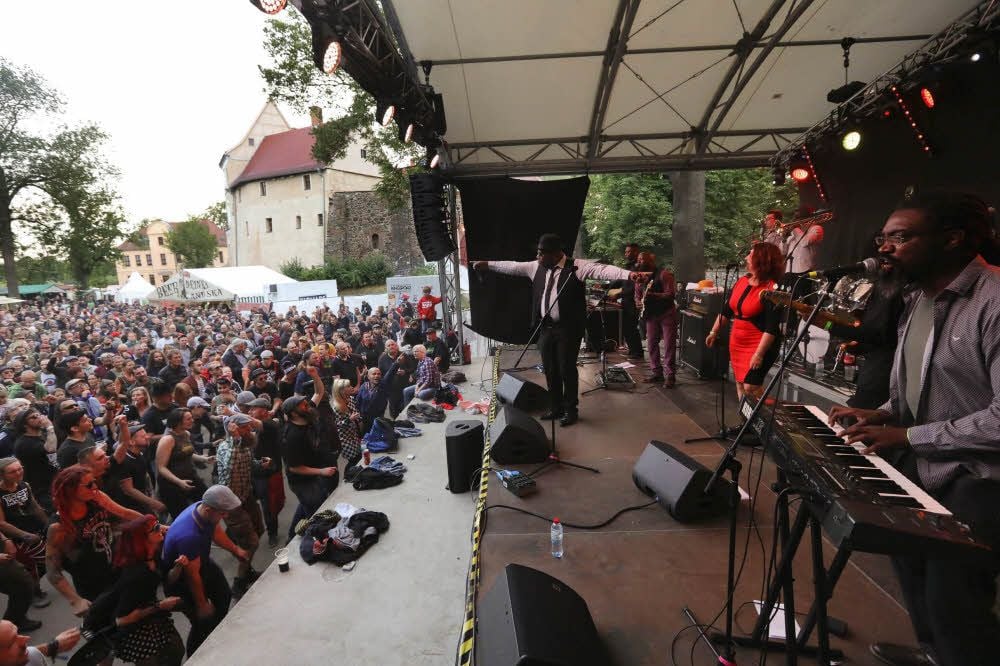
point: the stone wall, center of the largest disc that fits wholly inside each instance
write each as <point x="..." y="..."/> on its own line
<point x="360" y="223"/>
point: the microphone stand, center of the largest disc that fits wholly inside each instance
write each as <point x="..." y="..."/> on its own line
<point x="731" y="464"/>
<point x="541" y="321"/>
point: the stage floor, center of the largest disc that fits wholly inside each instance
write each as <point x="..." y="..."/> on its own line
<point x="638" y="573"/>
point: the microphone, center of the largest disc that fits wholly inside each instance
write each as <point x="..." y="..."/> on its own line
<point x="869" y="266"/>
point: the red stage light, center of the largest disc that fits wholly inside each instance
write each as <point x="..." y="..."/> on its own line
<point x="927" y="97"/>
<point x="800" y="174"/>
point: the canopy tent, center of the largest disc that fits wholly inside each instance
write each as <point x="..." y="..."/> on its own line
<point x="187" y="288"/>
<point x="245" y="282"/>
<point x="6" y="300"/>
<point x="573" y="86"/>
<point x="136" y="288"/>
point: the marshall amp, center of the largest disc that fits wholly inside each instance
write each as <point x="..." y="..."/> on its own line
<point x="704" y="303"/>
<point x="706" y="363"/>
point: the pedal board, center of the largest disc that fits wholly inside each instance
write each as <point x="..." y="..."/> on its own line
<point x="615" y="378"/>
<point x="516" y="482"/>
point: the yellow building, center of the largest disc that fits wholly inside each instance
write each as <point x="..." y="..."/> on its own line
<point x="152" y="259"/>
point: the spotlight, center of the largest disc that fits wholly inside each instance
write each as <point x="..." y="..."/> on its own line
<point x="331" y="57"/>
<point x="845" y="92"/>
<point x="779" y="176"/>
<point x="271" y="7"/>
<point x="384" y="112"/>
<point x="408" y="135"/>
<point x="851" y="140"/>
<point x="433" y="157"/>
<point x="800" y="174"/>
<point x="976" y="57"/>
<point x="927" y="97"/>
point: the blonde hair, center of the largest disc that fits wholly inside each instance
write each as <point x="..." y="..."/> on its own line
<point x="339" y="397"/>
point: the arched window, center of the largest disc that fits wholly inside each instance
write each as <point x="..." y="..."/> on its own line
<point x="374" y="241"/>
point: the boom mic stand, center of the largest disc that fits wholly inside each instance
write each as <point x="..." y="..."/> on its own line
<point x="541" y="321"/>
<point x="730" y="463"/>
<point x="554" y="458"/>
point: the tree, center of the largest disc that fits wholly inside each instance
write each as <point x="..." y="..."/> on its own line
<point x="89" y="233"/>
<point x="216" y="213"/>
<point x="193" y="244"/>
<point x="293" y="78"/>
<point x="37" y="169"/>
<point x="735" y="203"/>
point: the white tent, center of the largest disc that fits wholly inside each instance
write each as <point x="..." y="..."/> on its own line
<point x="187" y="288"/>
<point x="245" y="282"/>
<point x="136" y="288"/>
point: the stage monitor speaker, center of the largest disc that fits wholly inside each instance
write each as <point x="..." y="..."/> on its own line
<point x="513" y="390"/>
<point x="678" y="482"/>
<point x="464" y="449"/>
<point x="516" y="438"/>
<point x="705" y="362"/>
<point x="529" y="618"/>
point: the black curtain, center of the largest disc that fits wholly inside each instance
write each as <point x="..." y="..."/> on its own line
<point x="503" y="219"/>
<point x="865" y="185"/>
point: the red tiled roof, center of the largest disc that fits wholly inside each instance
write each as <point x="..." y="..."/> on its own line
<point x="282" y="154"/>
<point x="128" y="246"/>
<point x="220" y="235"/>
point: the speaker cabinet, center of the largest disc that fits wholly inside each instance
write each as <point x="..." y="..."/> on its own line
<point x="529" y="618"/>
<point x="464" y="449"/>
<point x="516" y="438"/>
<point x="430" y="216"/>
<point x="678" y="482"/>
<point x="513" y="390"/>
<point x="706" y="363"/>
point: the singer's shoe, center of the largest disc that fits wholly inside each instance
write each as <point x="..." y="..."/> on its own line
<point x="552" y="415"/>
<point x="654" y="379"/>
<point x="901" y="655"/>
<point x="569" y="418"/>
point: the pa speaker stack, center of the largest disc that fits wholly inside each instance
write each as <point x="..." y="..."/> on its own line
<point x="522" y="394"/>
<point x="516" y="438"/>
<point x="707" y="363"/>
<point x="430" y="216"/>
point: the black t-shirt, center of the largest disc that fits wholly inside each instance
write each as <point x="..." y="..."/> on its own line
<point x="269" y="446"/>
<point x="66" y="454"/>
<point x="302" y="449"/>
<point x="38" y="470"/>
<point x="17" y="509"/>
<point x="134" y="468"/>
<point x="270" y="389"/>
<point x="136" y="588"/>
<point x="155" y="419"/>
<point x="346" y="369"/>
<point x="369" y="354"/>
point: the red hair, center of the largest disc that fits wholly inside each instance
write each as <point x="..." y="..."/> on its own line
<point x="64" y="487"/>
<point x="767" y="262"/>
<point x="132" y="546"/>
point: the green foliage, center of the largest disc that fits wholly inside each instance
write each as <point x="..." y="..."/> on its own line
<point x="292" y="77"/>
<point x="426" y="269"/>
<point x="193" y="244"/>
<point x="637" y="208"/>
<point x="38" y="270"/>
<point x="371" y="270"/>
<point x="217" y="214"/>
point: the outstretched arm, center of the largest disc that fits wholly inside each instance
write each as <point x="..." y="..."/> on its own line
<point x="522" y="268"/>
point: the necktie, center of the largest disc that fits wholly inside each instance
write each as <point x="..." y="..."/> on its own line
<point x="549" y="284"/>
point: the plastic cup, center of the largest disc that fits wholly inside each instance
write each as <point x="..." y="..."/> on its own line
<point x="281" y="556"/>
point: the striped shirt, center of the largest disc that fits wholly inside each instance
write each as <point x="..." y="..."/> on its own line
<point x="956" y="429"/>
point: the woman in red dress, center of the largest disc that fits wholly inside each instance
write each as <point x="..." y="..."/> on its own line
<point x="752" y="348"/>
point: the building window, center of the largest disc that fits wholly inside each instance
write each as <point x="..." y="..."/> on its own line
<point x="298" y="221"/>
<point x="159" y="241"/>
<point x="268" y="226"/>
<point x="152" y="280"/>
<point x="364" y="153"/>
<point x="307" y="182"/>
<point x="239" y="195"/>
<point x="263" y="189"/>
<point x="163" y="259"/>
<point x="126" y="260"/>
<point x="246" y="226"/>
<point x="220" y="258"/>
<point x="319" y="219"/>
<point x="138" y="260"/>
<point x="374" y="241"/>
<point x="250" y="141"/>
<point x="149" y="260"/>
<point x="164" y="278"/>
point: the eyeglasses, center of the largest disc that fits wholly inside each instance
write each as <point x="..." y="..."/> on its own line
<point x="897" y="238"/>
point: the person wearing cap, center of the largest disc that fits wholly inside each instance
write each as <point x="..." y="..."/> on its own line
<point x="268" y="484"/>
<point x="29" y="387"/>
<point x="155" y="416"/>
<point x="30" y="447"/>
<point x="186" y="554"/>
<point x="269" y="361"/>
<point x="261" y="384"/>
<point x="405" y="308"/>
<point x="310" y="461"/>
<point x="427" y="308"/>
<point x="438" y="350"/>
<point x="201" y="413"/>
<point x="242" y="398"/>
<point x="236" y="464"/>
<point x="79" y="391"/>
<point x="411" y="335"/>
<point x="78" y="427"/>
<point x="128" y="479"/>
<point x="559" y="311"/>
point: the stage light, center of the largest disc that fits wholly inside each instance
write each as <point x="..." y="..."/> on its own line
<point x="976" y="57"/>
<point x="408" y="135"/>
<point x="384" y="112"/>
<point x="271" y="7"/>
<point x="921" y="138"/>
<point x="331" y="57"/>
<point x="851" y="140"/>
<point x="800" y="174"/>
<point x="778" y="177"/>
<point x="927" y="97"/>
<point x="845" y="92"/>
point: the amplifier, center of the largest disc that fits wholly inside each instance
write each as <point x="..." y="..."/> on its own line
<point x="706" y="363"/>
<point x="705" y="303"/>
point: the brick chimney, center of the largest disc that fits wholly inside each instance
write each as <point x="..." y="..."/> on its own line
<point x="316" y="114"/>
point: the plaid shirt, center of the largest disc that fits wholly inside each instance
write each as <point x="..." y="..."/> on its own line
<point x="956" y="429"/>
<point x="428" y="374"/>
<point x="235" y="463"/>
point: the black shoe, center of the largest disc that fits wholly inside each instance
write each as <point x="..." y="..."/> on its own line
<point x="272" y="540"/>
<point x="28" y="625"/>
<point x="552" y="414"/>
<point x="654" y="379"/>
<point x="240" y="587"/>
<point x="569" y="418"/>
<point x="670" y="382"/>
<point x="901" y="655"/>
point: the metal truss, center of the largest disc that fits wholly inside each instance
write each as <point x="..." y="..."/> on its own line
<point x="946" y="46"/>
<point x="755" y="148"/>
<point x="451" y="285"/>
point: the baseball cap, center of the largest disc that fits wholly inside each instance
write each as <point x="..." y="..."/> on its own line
<point x="73" y="382"/>
<point x="260" y="402"/>
<point x="267" y="353"/>
<point x="236" y="419"/>
<point x="136" y="427"/>
<point x="221" y="498"/>
<point x="195" y="401"/>
<point x="243" y="397"/>
<point x="257" y="373"/>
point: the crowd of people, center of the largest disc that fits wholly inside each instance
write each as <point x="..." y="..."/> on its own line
<point x="129" y="434"/>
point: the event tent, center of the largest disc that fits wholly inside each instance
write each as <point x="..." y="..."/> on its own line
<point x="136" y="288"/>
<point x="187" y="288"/>
<point x="245" y="282"/>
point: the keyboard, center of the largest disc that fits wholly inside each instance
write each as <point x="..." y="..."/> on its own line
<point x="863" y="501"/>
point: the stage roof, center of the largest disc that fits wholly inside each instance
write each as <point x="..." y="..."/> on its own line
<point x="536" y="87"/>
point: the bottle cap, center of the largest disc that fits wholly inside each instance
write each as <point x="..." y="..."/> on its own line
<point x="555" y="520"/>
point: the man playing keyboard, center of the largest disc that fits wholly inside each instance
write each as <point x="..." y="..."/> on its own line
<point x="941" y="425"/>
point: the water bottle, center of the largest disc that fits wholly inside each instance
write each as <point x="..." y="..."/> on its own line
<point x="557" y="538"/>
<point x="819" y="369"/>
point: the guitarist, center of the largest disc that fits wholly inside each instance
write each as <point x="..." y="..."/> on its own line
<point x="658" y="313"/>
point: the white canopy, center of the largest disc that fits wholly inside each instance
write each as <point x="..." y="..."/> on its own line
<point x="136" y="288"/>
<point x="570" y="86"/>
<point x="187" y="288"/>
<point x="243" y="281"/>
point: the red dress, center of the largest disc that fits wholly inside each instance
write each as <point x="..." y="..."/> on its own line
<point x="751" y="318"/>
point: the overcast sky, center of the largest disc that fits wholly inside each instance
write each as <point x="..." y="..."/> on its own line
<point x="175" y="84"/>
